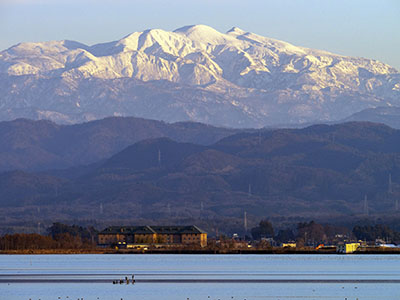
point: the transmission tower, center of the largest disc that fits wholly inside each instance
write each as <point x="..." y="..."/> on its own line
<point x="366" y="208"/>
<point x="201" y="209"/>
<point x="169" y="209"/>
<point x="245" y="221"/>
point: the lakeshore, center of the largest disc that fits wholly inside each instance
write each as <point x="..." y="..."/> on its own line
<point x="274" y="250"/>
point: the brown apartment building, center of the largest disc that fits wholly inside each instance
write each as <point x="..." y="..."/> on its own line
<point x="165" y="235"/>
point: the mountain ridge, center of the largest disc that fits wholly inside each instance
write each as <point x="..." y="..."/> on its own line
<point x="193" y="73"/>
<point x="322" y="171"/>
<point x="38" y="145"/>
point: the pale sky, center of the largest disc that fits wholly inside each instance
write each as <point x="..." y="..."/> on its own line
<point x="363" y="28"/>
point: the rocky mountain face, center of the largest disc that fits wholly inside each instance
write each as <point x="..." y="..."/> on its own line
<point x="321" y="172"/>
<point x="235" y="79"/>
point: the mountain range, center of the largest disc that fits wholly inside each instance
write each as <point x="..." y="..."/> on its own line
<point x="42" y="145"/>
<point x="326" y="172"/>
<point x="195" y="73"/>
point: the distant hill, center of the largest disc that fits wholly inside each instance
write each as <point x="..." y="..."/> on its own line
<point x="386" y="115"/>
<point x="40" y="145"/>
<point x="317" y="172"/>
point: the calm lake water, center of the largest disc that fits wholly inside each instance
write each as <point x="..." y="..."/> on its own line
<point x="198" y="277"/>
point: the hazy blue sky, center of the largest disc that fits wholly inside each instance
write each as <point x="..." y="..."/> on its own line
<point x="350" y="27"/>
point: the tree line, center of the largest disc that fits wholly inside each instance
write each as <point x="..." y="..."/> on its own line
<point x="313" y="233"/>
<point x="62" y="236"/>
<point x="59" y="236"/>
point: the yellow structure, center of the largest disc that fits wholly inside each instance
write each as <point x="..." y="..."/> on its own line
<point x="347" y="248"/>
<point x="161" y="235"/>
<point x="289" y="245"/>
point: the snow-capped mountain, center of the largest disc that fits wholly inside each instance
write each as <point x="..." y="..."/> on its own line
<point x="237" y="79"/>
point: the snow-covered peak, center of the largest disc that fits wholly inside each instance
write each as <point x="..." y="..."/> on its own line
<point x="238" y="57"/>
<point x="196" y="70"/>
<point x="204" y="34"/>
<point x="235" y="31"/>
<point x="195" y="28"/>
<point x="44" y="48"/>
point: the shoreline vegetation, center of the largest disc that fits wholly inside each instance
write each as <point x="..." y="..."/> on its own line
<point x="273" y="250"/>
<point x="211" y="249"/>
<point x="311" y="238"/>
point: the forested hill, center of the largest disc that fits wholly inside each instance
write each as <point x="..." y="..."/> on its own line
<point x="350" y="169"/>
<point x="40" y="145"/>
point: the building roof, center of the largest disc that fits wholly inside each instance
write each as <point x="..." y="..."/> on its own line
<point x="152" y="229"/>
<point x="192" y="229"/>
<point x="128" y="230"/>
